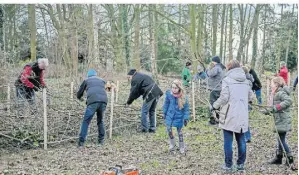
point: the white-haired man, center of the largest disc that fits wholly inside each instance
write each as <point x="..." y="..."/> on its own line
<point x="31" y="79"/>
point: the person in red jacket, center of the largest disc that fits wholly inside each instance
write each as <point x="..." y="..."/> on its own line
<point x="30" y="80"/>
<point x="283" y="72"/>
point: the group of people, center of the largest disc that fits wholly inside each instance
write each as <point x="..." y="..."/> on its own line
<point x="231" y="93"/>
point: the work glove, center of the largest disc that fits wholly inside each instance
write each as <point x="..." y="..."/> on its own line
<point x="186" y="122"/>
<point x="185" y="77"/>
<point x="274" y="109"/>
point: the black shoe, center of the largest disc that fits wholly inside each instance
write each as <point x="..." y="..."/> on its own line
<point x="248" y="141"/>
<point x="277" y="160"/>
<point x="152" y="131"/>
<point x="290" y="160"/>
<point x="143" y="130"/>
<point x="212" y="123"/>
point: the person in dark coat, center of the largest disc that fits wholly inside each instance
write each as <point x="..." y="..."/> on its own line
<point x="256" y="85"/>
<point x="96" y="102"/>
<point x="295" y="83"/>
<point x="30" y="80"/>
<point x="142" y="84"/>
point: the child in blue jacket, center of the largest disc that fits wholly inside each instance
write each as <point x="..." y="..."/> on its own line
<point x="176" y="113"/>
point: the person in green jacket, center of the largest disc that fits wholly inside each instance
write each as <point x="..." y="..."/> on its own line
<point x="186" y="75"/>
<point x="282" y="117"/>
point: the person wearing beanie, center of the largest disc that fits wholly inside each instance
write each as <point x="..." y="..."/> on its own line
<point x="142" y="84"/>
<point x="96" y="103"/>
<point x="283" y="72"/>
<point x="215" y="74"/>
<point x="186" y="75"/>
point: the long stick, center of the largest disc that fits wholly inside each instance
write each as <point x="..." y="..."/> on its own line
<point x="193" y="101"/>
<point x="45" y="117"/>
<point x="111" y="114"/>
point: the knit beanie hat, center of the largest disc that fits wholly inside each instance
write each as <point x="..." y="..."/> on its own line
<point x="216" y="59"/>
<point x="91" y="73"/>
<point x="132" y="72"/>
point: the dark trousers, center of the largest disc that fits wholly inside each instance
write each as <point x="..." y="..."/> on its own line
<point x="100" y="108"/>
<point x="214" y="95"/>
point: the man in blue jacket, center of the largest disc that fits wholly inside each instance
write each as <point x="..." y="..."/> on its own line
<point x="96" y="102"/>
<point x="142" y="84"/>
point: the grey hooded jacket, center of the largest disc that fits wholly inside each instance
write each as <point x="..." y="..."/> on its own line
<point x="215" y="76"/>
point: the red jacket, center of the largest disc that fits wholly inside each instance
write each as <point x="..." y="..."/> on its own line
<point x="284" y="73"/>
<point x="31" y="76"/>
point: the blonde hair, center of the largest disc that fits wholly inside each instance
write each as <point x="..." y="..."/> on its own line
<point x="232" y="64"/>
<point x="43" y="61"/>
<point x="182" y="99"/>
<point x="279" y="81"/>
<point x="245" y="68"/>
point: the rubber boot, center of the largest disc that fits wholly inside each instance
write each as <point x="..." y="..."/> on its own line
<point x="171" y="144"/>
<point x="277" y="160"/>
<point x="182" y="147"/>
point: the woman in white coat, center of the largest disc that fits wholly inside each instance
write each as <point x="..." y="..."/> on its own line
<point x="233" y="104"/>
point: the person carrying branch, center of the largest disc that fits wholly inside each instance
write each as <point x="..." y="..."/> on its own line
<point x="176" y="113"/>
<point x="283" y="120"/>
<point x="96" y="103"/>
<point x="30" y="80"/>
<point x="142" y="84"/>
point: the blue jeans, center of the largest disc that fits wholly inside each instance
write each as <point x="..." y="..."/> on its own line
<point x="100" y="108"/>
<point x="228" y="148"/>
<point x="282" y="137"/>
<point x="258" y="94"/>
<point x="149" y="108"/>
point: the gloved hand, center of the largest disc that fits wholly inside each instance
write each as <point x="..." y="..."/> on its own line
<point x="35" y="88"/>
<point x="250" y="102"/>
<point x="186" y="122"/>
<point x="212" y="108"/>
<point x="274" y="109"/>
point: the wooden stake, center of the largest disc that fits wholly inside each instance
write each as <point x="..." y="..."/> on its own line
<point x="45" y="118"/>
<point x="8" y="100"/>
<point x="193" y="101"/>
<point x="111" y="114"/>
<point x="72" y="90"/>
<point x="117" y="89"/>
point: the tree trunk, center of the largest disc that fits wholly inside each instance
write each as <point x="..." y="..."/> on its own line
<point x="32" y="28"/>
<point x="262" y="59"/>
<point x="74" y="40"/>
<point x="289" y="36"/>
<point x="192" y="30"/>
<point x="125" y="32"/>
<point x="225" y="39"/>
<point x="90" y="33"/>
<point x="254" y="44"/>
<point x="136" y="56"/>
<point x="200" y="27"/>
<point x="244" y="40"/>
<point x="152" y="42"/>
<point x="215" y="24"/>
<point x="230" y="42"/>
<point x="222" y="28"/>
<point x="280" y="42"/>
<point x="46" y="30"/>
